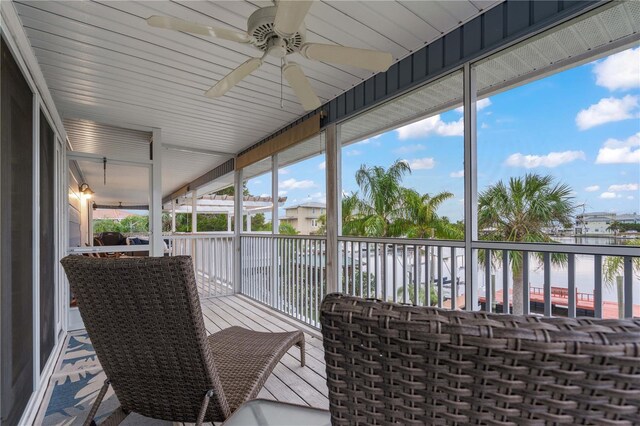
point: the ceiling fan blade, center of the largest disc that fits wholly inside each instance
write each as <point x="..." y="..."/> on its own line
<point x="233" y="78"/>
<point x="373" y="60"/>
<point x="290" y="16"/>
<point x="300" y="85"/>
<point x="177" y="24"/>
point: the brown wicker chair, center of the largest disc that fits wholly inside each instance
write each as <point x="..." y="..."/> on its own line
<point x="395" y="364"/>
<point x="144" y="319"/>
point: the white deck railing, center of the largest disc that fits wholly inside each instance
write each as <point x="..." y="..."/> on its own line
<point x="288" y="273"/>
<point x="212" y="256"/>
<point x="298" y="269"/>
<point x="432" y="272"/>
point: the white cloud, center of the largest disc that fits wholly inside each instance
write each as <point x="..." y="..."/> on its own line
<point x="480" y="105"/>
<point x="422" y="163"/>
<point x="607" y="110"/>
<point x="297" y="184"/>
<point x="615" y="151"/>
<point x="620" y="71"/>
<point x="319" y="197"/>
<point x="552" y="159"/>
<point x="282" y="193"/>
<point x="458" y="174"/>
<point x="353" y="153"/>
<point x="283" y="171"/>
<point x="322" y="165"/>
<point x="257" y="181"/>
<point x="609" y="195"/>
<point x="409" y="149"/>
<point x="431" y="126"/>
<point x="592" y="188"/>
<point x="624" y="187"/>
<point x="629" y="197"/>
<point x="484" y="126"/>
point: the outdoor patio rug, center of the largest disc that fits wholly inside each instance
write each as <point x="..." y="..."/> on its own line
<point x="74" y="386"/>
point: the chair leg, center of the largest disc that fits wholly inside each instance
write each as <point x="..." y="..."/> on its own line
<point x="115" y="418"/>
<point x="301" y="344"/>
<point x="203" y="407"/>
<point x="94" y="408"/>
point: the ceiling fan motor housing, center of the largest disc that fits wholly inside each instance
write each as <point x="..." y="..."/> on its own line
<point x="260" y="27"/>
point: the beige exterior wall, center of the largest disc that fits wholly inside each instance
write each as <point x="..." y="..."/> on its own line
<point x="304" y="219"/>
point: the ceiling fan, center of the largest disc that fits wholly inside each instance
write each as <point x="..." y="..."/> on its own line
<point x="280" y="31"/>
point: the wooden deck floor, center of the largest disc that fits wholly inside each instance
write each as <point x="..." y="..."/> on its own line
<point x="289" y="381"/>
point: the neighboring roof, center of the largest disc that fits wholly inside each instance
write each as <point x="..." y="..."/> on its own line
<point x="309" y="204"/>
<point x="115" y="214"/>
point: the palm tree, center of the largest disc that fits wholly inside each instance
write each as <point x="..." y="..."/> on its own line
<point x="382" y="195"/>
<point x="422" y="220"/>
<point x="520" y="212"/>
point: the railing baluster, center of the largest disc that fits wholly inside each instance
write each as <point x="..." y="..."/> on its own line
<point x="385" y="271"/>
<point x="440" y="279"/>
<point x="547" y="283"/>
<point x="314" y="282"/>
<point x="505" y="282"/>
<point x="454" y="280"/>
<point x="360" y="276"/>
<point x="526" y="298"/>
<point x="488" y="285"/>
<point x="628" y="287"/>
<point x="405" y="290"/>
<point x="427" y="278"/>
<point x="416" y="279"/>
<point x="394" y="279"/>
<point x="305" y="298"/>
<point x="376" y="268"/>
<point x="345" y="269"/>
<point x="597" y="289"/>
<point x="571" y="271"/>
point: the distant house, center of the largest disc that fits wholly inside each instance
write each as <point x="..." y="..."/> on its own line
<point x="304" y="217"/>
<point x="597" y="223"/>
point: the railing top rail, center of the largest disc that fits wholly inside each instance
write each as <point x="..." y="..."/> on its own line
<point x="280" y="236"/>
<point x="207" y="235"/>
<point x="405" y="241"/>
<point x="559" y="248"/>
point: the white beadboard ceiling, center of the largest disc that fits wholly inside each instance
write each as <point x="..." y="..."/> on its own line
<point x="103" y="64"/>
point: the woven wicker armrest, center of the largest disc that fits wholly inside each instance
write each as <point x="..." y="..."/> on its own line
<point x="396" y="364"/>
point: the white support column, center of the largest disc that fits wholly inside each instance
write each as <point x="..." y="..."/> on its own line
<point x="275" y="230"/>
<point x="248" y="222"/>
<point x="237" y="217"/>
<point x="35" y="224"/>
<point x="229" y="222"/>
<point x="275" y="220"/>
<point x="155" y="206"/>
<point x="173" y="216"/>
<point x="194" y="211"/>
<point x="334" y="204"/>
<point x="470" y="189"/>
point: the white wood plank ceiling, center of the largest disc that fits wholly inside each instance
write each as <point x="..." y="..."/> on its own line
<point x="103" y="63"/>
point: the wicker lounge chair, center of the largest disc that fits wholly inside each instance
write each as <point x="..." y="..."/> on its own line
<point x="395" y="364"/>
<point x="144" y="319"/>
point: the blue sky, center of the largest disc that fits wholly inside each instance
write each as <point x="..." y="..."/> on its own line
<point x="581" y="126"/>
